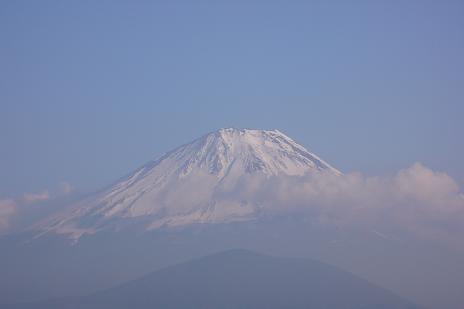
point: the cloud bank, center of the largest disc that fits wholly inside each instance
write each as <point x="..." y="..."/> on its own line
<point x="416" y="200"/>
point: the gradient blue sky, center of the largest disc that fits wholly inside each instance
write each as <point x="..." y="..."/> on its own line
<point x="90" y="90"/>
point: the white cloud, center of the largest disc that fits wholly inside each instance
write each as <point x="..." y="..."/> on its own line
<point x="416" y="200"/>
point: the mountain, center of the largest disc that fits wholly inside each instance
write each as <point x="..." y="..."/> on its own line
<point x="239" y="279"/>
<point x="194" y="183"/>
<point x="204" y="197"/>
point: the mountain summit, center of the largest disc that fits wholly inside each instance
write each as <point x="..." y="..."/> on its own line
<point x="194" y="183"/>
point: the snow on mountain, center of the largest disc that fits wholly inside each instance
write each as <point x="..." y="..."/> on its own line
<point x="187" y="185"/>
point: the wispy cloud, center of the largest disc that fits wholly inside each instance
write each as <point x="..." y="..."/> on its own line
<point x="35" y="197"/>
<point x="65" y="188"/>
<point x="10" y="207"/>
<point x="7" y="210"/>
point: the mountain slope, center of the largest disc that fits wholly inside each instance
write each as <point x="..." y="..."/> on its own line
<point x="192" y="184"/>
<point x="240" y="279"/>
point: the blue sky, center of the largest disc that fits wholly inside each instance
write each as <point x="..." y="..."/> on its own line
<point x="90" y="90"/>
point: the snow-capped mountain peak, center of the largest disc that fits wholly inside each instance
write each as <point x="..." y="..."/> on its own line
<point x="270" y="152"/>
<point x="185" y="185"/>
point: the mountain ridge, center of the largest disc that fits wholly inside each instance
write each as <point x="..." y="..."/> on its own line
<point x="239" y="279"/>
